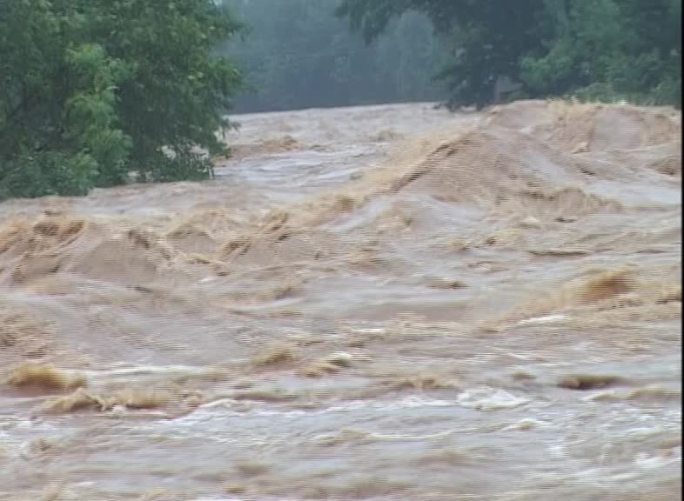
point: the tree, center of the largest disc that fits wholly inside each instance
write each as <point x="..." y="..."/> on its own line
<point x="602" y="49"/>
<point x="485" y="38"/>
<point x="608" y="49"/>
<point x="95" y="89"/>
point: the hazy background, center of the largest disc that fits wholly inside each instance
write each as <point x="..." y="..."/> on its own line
<point x="298" y="54"/>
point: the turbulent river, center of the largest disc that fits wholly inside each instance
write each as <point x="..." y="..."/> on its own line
<point x="389" y="302"/>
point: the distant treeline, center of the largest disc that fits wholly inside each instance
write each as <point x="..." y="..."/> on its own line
<point x="591" y="49"/>
<point x="94" y="93"/>
<point x="299" y="54"/>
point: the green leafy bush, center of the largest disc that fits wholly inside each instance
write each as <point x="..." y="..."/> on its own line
<point x="95" y="89"/>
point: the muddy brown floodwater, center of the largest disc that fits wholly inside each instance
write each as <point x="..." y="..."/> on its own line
<point x="388" y="302"/>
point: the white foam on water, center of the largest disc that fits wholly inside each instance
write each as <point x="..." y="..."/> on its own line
<point x="486" y="399"/>
<point x="546" y="319"/>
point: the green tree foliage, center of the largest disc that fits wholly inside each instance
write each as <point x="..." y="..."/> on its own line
<point x="95" y="89"/>
<point x="609" y="49"/>
<point x="485" y="38"/>
<point x="298" y="54"/>
<point x="599" y="49"/>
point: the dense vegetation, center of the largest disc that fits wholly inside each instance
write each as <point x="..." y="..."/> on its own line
<point x="298" y="54"/>
<point x="599" y="49"/>
<point x="95" y="89"/>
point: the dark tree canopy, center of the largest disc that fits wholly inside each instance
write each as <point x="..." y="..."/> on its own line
<point x="598" y="49"/>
